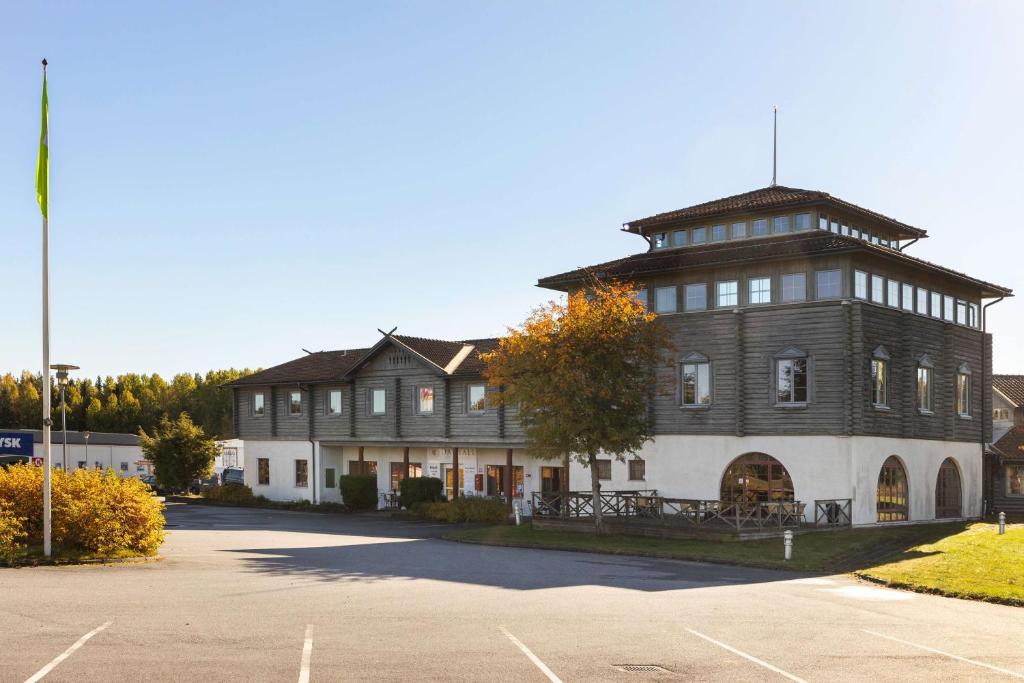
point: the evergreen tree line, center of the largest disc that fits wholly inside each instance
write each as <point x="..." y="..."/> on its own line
<point x="122" y="404"/>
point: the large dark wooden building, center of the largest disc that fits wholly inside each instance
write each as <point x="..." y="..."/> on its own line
<point x="815" y="360"/>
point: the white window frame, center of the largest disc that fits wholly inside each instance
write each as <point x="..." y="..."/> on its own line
<point x="331" y="393"/>
<point x="860" y="285"/>
<point x="835" y="278"/>
<point x="263" y="404"/>
<point x="680" y="242"/>
<point x="893" y="293"/>
<point x="292" y="403"/>
<point x="734" y="295"/>
<point x="738" y="230"/>
<point x="963" y="397"/>
<point x="948" y="308"/>
<point x="925" y="369"/>
<point x="658" y="291"/>
<point x="879" y="380"/>
<point x="697" y="286"/>
<point x="699" y="235"/>
<point x="922" y="301"/>
<point x="756" y="224"/>
<point x="790" y="358"/>
<point x="659" y="240"/>
<point x="936" y="305"/>
<point x="719" y="228"/>
<point x="470" y="388"/>
<point x="372" y="393"/>
<point x="789" y="291"/>
<point x="757" y="297"/>
<point x="806" y="220"/>
<point x="877" y="289"/>
<point x="420" y="410"/>
<point x="781" y="225"/>
<point x="697" y="362"/>
<point x="907" y="301"/>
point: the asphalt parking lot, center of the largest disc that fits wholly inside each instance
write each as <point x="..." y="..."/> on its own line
<point x="253" y="595"/>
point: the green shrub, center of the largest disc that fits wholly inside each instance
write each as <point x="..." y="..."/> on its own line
<point x="359" y="492"/>
<point x="93" y="512"/>
<point x="475" y="509"/>
<point x="419" y="490"/>
<point x="234" y="494"/>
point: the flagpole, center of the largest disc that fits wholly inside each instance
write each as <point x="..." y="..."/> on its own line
<point x="47" y="421"/>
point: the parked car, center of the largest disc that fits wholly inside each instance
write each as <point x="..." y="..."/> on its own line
<point x="150" y="481"/>
<point x="233" y="476"/>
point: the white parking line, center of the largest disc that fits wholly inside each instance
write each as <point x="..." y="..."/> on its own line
<point x="307" y="653"/>
<point x="1015" y="674"/>
<point x="751" y="658"/>
<point x="67" y="653"/>
<point x="533" y="658"/>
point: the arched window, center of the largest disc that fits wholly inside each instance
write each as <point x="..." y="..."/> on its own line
<point x="948" y="493"/>
<point x="756" y="477"/>
<point x="892" y="502"/>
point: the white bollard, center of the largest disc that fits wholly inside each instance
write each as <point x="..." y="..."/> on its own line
<point x="518" y="511"/>
<point x="787" y="541"/>
<point x="1002" y="523"/>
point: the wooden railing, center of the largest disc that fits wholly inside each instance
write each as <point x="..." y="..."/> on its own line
<point x="833" y="512"/>
<point x="648" y="505"/>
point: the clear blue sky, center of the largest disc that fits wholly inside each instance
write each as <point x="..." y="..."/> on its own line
<point x="421" y="164"/>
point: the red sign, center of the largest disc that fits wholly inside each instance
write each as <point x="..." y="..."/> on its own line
<point x="38" y="462"/>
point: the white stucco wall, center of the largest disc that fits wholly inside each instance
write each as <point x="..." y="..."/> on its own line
<point x="282" y="456"/>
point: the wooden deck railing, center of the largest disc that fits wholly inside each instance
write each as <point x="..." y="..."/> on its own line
<point x="648" y="505"/>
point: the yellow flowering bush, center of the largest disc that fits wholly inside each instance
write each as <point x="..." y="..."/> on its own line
<point x="11" y="532"/>
<point x="94" y="512"/>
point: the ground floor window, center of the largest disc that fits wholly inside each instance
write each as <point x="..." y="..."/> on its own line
<point x="604" y="468"/>
<point x="398" y="472"/>
<point x="891" y="503"/>
<point x="263" y="471"/>
<point x="329" y="478"/>
<point x="368" y="467"/>
<point x="496" y="480"/>
<point x="551" y="479"/>
<point x="637" y="469"/>
<point x="757" y="477"/>
<point x="302" y="473"/>
<point x="948" y="495"/>
<point x="1015" y="480"/>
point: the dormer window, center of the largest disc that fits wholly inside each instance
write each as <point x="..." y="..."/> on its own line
<point x="659" y="240"/>
<point x="780" y="224"/>
<point x="717" y="233"/>
<point x="700" y="235"/>
<point x="802" y="222"/>
<point x="759" y="227"/>
<point x="739" y="230"/>
<point x="680" y="238"/>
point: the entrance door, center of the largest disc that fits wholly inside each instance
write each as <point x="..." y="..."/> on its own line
<point x="551" y="479"/>
<point x="948" y="495"/>
<point x="448" y="481"/>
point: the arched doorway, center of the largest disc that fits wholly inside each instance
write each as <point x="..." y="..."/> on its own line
<point x="756" y="478"/>
<point x="892" y="502"/>
<point x="948" y="492"/>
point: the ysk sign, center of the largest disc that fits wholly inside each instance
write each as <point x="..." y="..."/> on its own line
<point x="16" y="443"/>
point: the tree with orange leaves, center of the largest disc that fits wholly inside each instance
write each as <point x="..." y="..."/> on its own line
<point x="582" y="374"/>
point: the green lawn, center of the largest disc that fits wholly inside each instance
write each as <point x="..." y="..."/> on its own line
<point x="831" y="551"/>
<point x="976" y="563"/>
<point x="967" y="560"/>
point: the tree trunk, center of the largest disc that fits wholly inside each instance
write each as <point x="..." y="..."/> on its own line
<point x="563" y="487"/>
<point x="595" y="484"/>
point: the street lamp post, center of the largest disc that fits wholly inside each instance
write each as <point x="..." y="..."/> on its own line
<point x="62" y="381"/>
<point x="86" y="436"/>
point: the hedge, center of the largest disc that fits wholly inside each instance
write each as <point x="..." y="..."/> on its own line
<point x="419" y="490"/>
<point x="234" y="494"/>
<point x="359" y="492"/>
<point x="473" y="509"/>
<point x="94" y="512"/>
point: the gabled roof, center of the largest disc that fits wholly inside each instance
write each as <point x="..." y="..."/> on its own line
<point x="1011" y="387"/>
<point x="1011" y="444"/>
<point x="321" y="366"/>
<point x="765" y="199"/>
<point x="441" y="355"/>
<point x="812" y="243"/>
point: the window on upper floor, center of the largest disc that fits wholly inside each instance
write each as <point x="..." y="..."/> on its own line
<point x="880" y="378"/>
<point x="894" y="294"/>
<point x="791" y="379"/>
<point x="699" y="235"/>
<point x="936" y="305"/>
<point x="295" y="403"/>
<point x="961" y="312"/>
<point x="822" y="222"/>
<point x="665" y="299"/>
<point x="739" y="230"/>
<point x="828" y="284"/>
<point x="780" y="224"/>
<point x="860" y="284"/>
<point x="378" y="402"/>
<point x="833" y="226"/>
<point x="695" y="381"/>
<point x="972" y="315"/>
<point x="794" y="287"/>
<point x="759" y="290"/>
<point x="641" y="296"/>
<point x="802" y="222"/>
<point x="680" y="238"/>
<point x="908" y="297"/>
<point x="947" y="308"/>
<point x="855" y="232"/>
<point x="924" y="385"/>
<point x="425" y="400"/>
<point x="727" y="294"/>
<point x="963" y="391"/>
<point x="259" y="408"/>
<point x="476" y="398"/>
<point x="922" y="301"/>
<point x="877" y="289"/>
<point x="844" y="229"/>
<point x="718" y="233"/>
<point x="696" y="297"/>
<point x="334" y="402"/>
<point x="759" y="227"/>
<point x="659" y="240"/>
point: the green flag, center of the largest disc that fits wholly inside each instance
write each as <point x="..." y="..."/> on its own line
<point x="43" y="162"/>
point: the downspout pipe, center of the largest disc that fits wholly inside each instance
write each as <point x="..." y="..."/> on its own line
<point x="309" y="431"/>
<point x="984" y="330"/>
